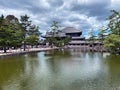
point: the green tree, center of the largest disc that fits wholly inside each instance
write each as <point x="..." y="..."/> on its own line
<point x="25" y="25"/>
<point x="13" y="33"/>
<point x="32" y="40"/>
<point x="33" y="35"/>
<point x="66" y="40"/>
<point x="92" y="38"/>
<point x="102" y="34"/>
<point x="33" y="30"/>
<point x="54" y="27"/>
<point x="12" y="19"/>
<point x="114" y="22"/>
<point x="9" y="33"/>
<point x="53" y="32"/>
<point x="30" y="31"/>
<point x="61" y="42"/>
<point x="55" y="39"/>
<point x="4" y="33"/>
<point x="14" y="25"/>
<point x="112" y="42"/>
<point x="50" y="40"/>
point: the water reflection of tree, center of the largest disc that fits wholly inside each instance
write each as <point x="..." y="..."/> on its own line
<point x="25" y="82"/>
<point x="32" y="62"/>
<point x="113" y="63"/>
<point x="32" y="55"/>
<point x="10" y="68"/>
<point x="55" y="57"/>
<point x="58" y="53"/>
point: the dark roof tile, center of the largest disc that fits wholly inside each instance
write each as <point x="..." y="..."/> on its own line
<point x="70" y="30"/>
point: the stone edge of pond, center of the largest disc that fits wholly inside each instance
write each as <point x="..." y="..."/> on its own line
<point x="3" y="55"/>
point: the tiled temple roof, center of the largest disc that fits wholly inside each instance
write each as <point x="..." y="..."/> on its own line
<point x="78" y="38"/>
<point x="70" y="30"/>
<point x="82" y="42"/>
<point x="63" y="32"/>
<point x="78" y="42"/>
<point x="56" y="34"/>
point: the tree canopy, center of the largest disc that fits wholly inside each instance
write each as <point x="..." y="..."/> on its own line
<point x="14" y="32"/>
<point x="30" y="31"/>
<point x="112" y="41"/>
<point x="55" y="40"/>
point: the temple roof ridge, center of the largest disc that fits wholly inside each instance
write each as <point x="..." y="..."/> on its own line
<point x="70" y="30"/>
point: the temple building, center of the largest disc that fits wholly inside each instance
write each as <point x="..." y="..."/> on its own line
<point x="76" y="40"/>
<point x="75" y="35"/>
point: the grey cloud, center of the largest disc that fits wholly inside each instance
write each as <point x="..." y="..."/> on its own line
<point x="98" y="9"/>
<point x="24" y="5"/>
<point x="55" y="3"/>
<point x="38" y="10"/>
<point x="62" y="11"/>
<point x="15" y="3"/>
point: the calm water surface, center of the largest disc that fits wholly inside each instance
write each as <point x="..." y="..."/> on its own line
<point x="60" y="70"/>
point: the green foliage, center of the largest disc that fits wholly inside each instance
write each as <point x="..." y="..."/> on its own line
<point x="92" y="37"/>
<point x="10" y="33"/>
<point x="13" y="33"/>
<point x="58" y="42"/>
<point x="28" y="30"/>
<point x="102" y="34"/>
<point x="32" y="40"/>
<point x="61" y="42"/>
<point x="50" y="40"/>
<point x="114" y="22"/>
<point x="66" y="40"/>
<point x="55" y="39"/>
<point x="54" y="26"/>
<point x="25" y="25"/>
<point x="112" y="43"/>
<point x="16" y="31"/>
<point x="12" y="19"/>
<point x="33" y="30"/>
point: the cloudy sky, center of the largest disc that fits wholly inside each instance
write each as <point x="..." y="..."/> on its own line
<point x="81" y="14"/>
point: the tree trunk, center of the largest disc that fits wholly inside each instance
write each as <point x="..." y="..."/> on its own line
<point x="4" y="49"/>
<point x="92" y="47"/>
<point x="24" y="46"/>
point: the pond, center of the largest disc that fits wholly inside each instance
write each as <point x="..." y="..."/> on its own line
<point x="60" y="70"/>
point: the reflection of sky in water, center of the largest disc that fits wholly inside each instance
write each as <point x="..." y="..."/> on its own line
<point x="82" y="67"/>
<point x="71" y="69"/>
<point x="66" y="70"/>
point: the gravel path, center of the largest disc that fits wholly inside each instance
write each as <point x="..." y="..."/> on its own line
<point x="20" y="51"/>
